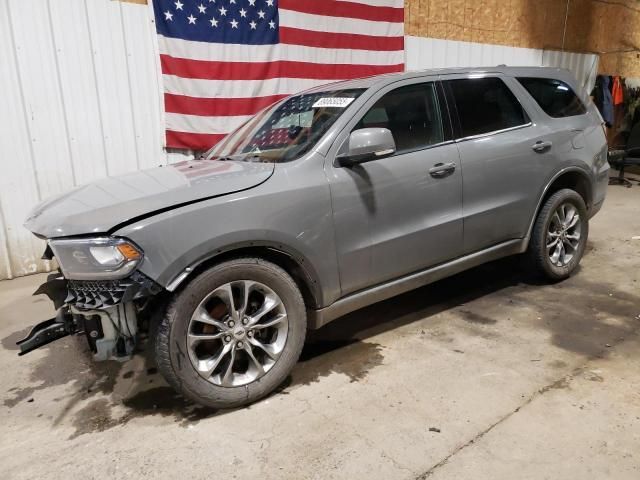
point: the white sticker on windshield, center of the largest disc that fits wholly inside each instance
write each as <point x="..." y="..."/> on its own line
<point x="336" y="102"/>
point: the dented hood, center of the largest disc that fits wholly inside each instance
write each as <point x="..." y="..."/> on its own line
<point x="98" y="207"/>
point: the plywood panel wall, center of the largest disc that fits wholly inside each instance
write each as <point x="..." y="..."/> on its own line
<point x="615" y="27"/>
<point x="519" y="23"/>
<point x="600" y="26"/>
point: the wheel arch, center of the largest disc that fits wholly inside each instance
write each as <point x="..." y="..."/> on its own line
<point x="287" y="258"/>
<point x="574" y="178"/>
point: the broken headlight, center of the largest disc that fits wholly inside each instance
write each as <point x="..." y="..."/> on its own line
<point x="102" y="258"/>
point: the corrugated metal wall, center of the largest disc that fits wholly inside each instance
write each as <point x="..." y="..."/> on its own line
<point x="436" y="53"/>
<point x="80" y="100"/>
<point x="583" y="65"/>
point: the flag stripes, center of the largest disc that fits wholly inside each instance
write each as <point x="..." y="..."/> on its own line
<point x="286" y="46"/>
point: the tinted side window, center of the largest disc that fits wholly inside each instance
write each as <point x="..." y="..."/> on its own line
<point x="554" y="97"/>
<point x="485" y="105"/>
<point x="412" y="115"/>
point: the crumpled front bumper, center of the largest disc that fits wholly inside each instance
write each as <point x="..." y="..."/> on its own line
<point x="97" y="294"/>
<point x="105" y="311"/>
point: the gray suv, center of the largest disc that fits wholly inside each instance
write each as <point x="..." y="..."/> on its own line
<point x="327" y="201"/>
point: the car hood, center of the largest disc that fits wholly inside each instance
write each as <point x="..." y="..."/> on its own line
<point x="100" y="206"/>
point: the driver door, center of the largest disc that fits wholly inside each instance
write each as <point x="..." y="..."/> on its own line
<point x="399" y="214"/>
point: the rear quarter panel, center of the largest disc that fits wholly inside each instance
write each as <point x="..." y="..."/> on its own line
<point x="597" y="149"/>
<point x="579" y="141"/>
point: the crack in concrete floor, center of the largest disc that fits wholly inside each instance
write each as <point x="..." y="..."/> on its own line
<point x="562" y="382"/>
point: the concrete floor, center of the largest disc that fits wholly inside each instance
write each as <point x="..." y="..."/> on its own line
<point x="484" y="375"/>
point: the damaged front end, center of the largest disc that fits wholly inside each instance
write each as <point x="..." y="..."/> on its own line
<point x="109" y="312"/>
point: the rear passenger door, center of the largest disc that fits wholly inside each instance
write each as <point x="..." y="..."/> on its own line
<point x="501" y="165"/>
<point x="397" y="215"/>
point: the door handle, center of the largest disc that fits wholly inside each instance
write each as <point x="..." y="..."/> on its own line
<point x="541" y="146"/>
<point x="440" y="170"/>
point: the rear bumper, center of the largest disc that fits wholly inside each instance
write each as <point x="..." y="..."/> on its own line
<point x="600" y="192"/>
<point x="595" y="208"/>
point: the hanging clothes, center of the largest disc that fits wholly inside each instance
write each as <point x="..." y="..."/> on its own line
<point x="603" y="99"/>
<point x="617" y="94"/>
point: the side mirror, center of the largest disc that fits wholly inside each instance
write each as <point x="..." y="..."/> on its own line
<point x="367" y="144"/>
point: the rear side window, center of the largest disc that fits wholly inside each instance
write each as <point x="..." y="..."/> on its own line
<point x="556" y="98"/>
<point x="412" y="115"/>
<point x="485" y="105"/>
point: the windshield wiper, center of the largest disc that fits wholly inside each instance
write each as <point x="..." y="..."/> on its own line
<point x="243" y="157"/>
<point x="252" y="157"/>
<point x="226" y="158"/>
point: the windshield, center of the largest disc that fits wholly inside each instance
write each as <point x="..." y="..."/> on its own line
<point x="286" y="130"/>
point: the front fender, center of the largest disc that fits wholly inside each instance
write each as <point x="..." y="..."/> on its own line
<point x="296" y="221"/>
<point x="176" y="273"/>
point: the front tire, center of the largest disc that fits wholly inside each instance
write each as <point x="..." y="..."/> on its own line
<point x="233" y="334"/>
<point x="559" y="236"/>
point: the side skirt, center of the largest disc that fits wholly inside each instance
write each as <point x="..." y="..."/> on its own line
<point x="355" y="301"/>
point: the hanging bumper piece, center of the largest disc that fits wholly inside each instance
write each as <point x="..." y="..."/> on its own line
<point x="48" y="331"/>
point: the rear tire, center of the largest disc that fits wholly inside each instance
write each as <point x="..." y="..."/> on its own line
<point x="223" y="359"/>
<point x="559" y="235"/>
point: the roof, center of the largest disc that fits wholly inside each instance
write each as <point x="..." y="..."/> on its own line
<point x="379" y="80"/>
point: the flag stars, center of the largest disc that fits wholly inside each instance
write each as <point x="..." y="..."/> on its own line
<point x="239" y="15"/>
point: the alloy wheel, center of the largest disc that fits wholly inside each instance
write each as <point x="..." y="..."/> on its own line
<point x="563" y="235"/>
<point x="237" y="333"/>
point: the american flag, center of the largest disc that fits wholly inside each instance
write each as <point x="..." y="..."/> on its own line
<point x="224" y="60"/>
